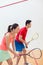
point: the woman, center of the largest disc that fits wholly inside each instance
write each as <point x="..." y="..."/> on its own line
<point x="7" y="39"/>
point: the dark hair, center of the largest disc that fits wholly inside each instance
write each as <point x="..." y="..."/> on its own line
<point x="9" y="28"/>
<point x="14" y="26"/>
<point x="27" y="22"/>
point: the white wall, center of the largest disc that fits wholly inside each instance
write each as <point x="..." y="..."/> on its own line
<point x="32" y="9"/>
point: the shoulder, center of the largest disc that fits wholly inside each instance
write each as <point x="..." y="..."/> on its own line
<point x="22" y="29"/>
<point x="7" y="35"/>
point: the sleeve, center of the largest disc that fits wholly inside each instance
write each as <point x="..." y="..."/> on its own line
<point x="21" y="33"/>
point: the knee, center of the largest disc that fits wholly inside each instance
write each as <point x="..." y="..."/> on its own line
<point x="10" y="62"/>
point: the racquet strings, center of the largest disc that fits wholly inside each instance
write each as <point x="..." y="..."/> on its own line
<point x="35" y="53"/>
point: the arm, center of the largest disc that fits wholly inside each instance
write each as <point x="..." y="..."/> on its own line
<point x="8" y="43"/>
<point x="23" y="41"/>
<point x="13" y="46"/>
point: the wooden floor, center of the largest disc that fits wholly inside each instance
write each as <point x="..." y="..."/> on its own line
<point x="29" y="60"/>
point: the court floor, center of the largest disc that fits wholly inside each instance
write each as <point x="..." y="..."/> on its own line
<point x="29" y="60"/>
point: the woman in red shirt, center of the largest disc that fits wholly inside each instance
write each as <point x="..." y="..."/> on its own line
<point x="7" y="39"/>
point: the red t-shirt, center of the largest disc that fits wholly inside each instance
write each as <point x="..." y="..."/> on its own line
<point x="22" y="32"/>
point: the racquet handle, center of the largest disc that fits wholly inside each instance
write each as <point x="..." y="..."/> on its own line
<point x="28" y="42"/>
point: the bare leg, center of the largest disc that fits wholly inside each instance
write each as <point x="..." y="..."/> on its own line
<point x="24" y="56"/>
<point x="9" y="61"/>
<point x="0" y="63"/>
<point x="18" y="59"/>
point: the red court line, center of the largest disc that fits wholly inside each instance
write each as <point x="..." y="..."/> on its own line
<point x="12" y="3"/>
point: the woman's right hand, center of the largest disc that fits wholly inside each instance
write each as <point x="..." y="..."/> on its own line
<point x="16" y="55"/>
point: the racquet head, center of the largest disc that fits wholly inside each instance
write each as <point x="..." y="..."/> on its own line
<point x="35" y="53"/>
<point x="35" y="36"/>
